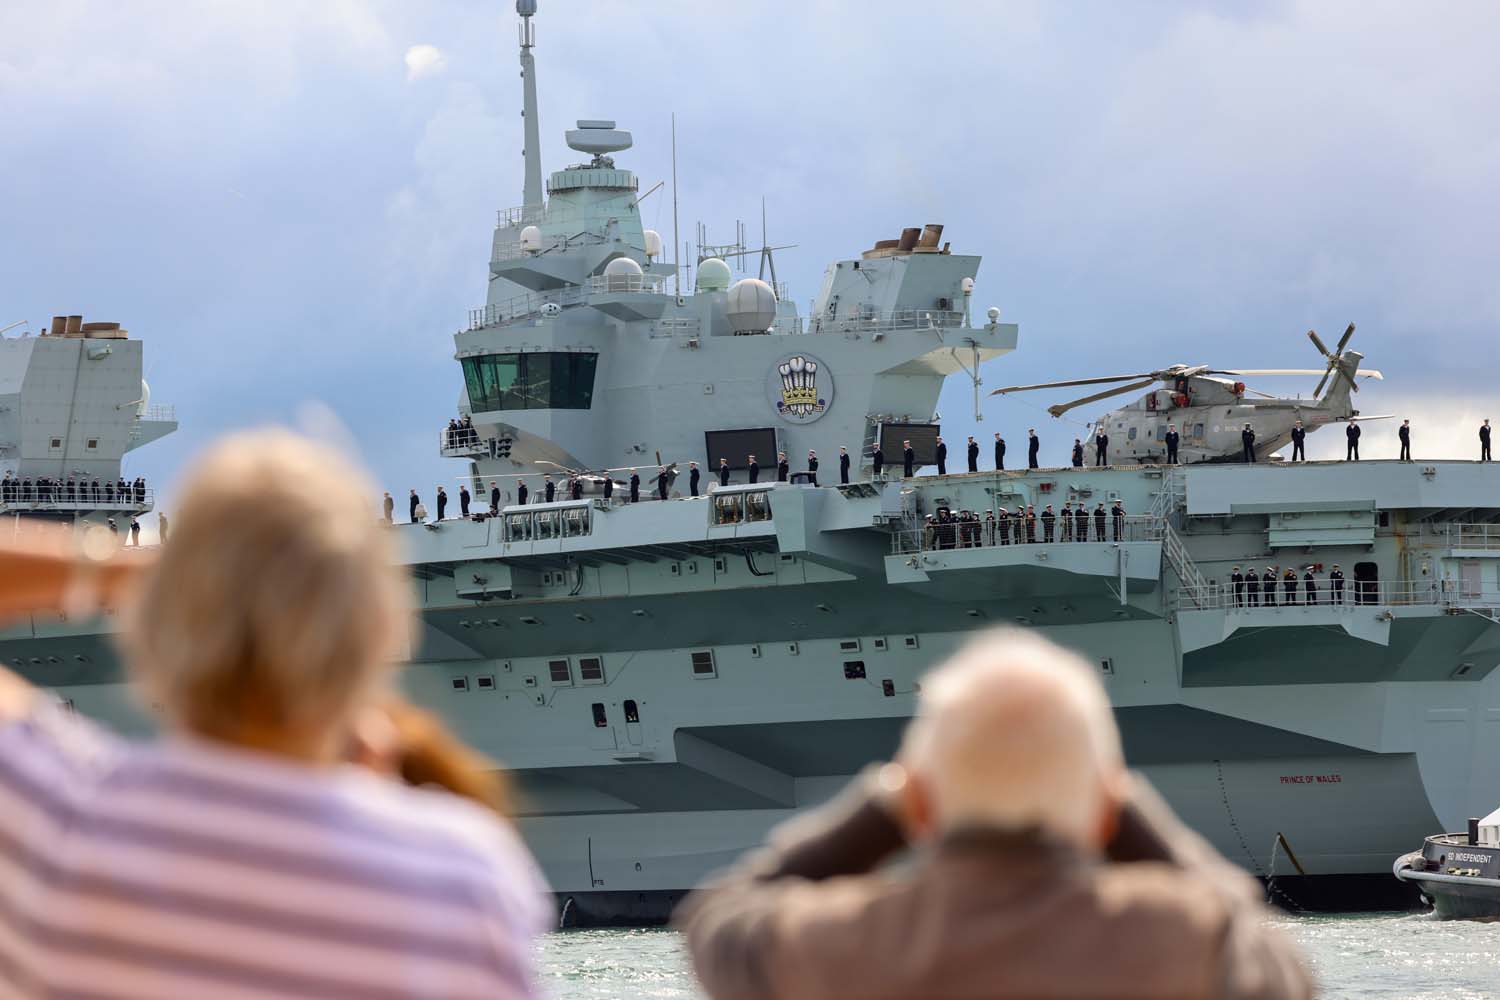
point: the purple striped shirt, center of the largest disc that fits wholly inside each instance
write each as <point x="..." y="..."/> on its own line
<point x="191" y="869"/>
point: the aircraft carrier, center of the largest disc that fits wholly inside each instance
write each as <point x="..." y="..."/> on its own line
<point x="669" y="678"/>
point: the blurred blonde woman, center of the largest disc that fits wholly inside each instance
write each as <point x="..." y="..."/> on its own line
<point x="240" y="855"/>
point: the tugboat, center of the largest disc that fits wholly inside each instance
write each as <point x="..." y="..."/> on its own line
<point x="1458" y="873"/>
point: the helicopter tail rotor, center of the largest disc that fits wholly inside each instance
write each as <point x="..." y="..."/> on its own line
<point x="1335" y="360"/>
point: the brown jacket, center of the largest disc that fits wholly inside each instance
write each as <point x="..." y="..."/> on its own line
<point x="985" y="913"/>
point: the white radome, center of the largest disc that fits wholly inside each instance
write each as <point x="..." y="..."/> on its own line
<point x="713" y="275"/>
<point x="653" y="244"/>
<point x="967" y="285"/>
<point x="531" y="239"/>
<point x="750" y="306"/>
<point x="551" y="309"/>
<point x="622" y="274"/>
<point x="993" y="313"/>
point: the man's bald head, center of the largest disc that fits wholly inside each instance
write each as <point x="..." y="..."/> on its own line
<point x="1015" y="731"/>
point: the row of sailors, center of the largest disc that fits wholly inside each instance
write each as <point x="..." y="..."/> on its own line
<point x="1252" y="589"/>
<point x="949" y="529"/>
<point x="45" y="489"/>
<point x="460" y="431"/>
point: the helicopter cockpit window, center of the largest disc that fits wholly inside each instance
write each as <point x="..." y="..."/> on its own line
<point x="546" y="524"/>
<point x="1197" y="430"/>
<point x="517" y="527"/>
<point x="727" y="509"/>
<point x="757" y="506"/>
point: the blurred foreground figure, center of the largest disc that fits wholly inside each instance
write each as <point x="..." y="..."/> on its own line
<point x="1040" y="868"/>
<point x="240" y="855"/>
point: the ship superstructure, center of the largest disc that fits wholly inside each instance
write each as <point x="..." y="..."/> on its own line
<point x="668" y="679"/>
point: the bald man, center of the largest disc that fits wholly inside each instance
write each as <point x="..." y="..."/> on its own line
<point x="1040" y="866"/>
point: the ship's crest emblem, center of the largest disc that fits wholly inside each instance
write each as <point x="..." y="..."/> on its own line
<point x="801" y="388"/>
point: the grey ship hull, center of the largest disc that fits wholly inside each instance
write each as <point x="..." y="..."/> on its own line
<point x="1338" y="732"/>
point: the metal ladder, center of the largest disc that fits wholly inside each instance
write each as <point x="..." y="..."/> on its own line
<point x="1171" y="498"/>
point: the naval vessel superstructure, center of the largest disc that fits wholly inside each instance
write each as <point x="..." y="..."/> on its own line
<point x="668" y="679"/>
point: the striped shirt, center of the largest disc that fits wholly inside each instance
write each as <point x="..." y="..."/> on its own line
<point x="188" y="869"/>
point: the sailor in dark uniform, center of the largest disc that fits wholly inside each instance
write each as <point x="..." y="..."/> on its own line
<point x="1099" y="518"/>
<point x="1252" y="588"/>
<point x="973" y="454"/>
<point x="1172" y="440"/>
<point x="1247" y="438"/>
<point x="844" y="466"/>
<point x="549" y="489"/>
<point x="754" y="469"/>
<point x="661" y="482"/>
<point x="1289" y="583"/>
<point x="1117" y="518"/>
<point x="1081" y="523"/>
<point x="1077" y="453"/>
<point x="521" y="492"/>
<point x="635" y="486"/>
<point x="1049" y="524"/>
<point x="989" y="528"/>
<point x="1310" y="587"/>
<point x="575" y="487"/>
<point x="812" y="467"/>
<point x="878" y="458"/>
<point x="999" y="451"/>
<point x="413" y="504"/>
<point x="1336" y="584"/>
<point x="1101" y="447"/>
<point x="1404" y="433"/>
<point x="463" y="501"/>
<point x="1033" y="448"/>
<point x="783" y="468"/>
<point x="442" y="502"/>
<point x="1268" y="586"/>
<point x="1002" y="520"/>
<point x="1351" y="434"/>
<point x="723" y="472"/>
<point x="908" y="460"/>
<point x="1066" y="518"/>
<point x="609" y="486"/>
<point x="942" y="457"/>
<point x="495" y="495"/>
<point x="1299" y="442"/>
<point x="1484" y="441"/>
<point x="1237" y="583"/>
<point x="1030" y="525"/>
<point x="694" y="476"/>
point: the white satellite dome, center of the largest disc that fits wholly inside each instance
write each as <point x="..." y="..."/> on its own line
<point x="531" y="239"/>
<point x="653" y="244"/>
<point x="713" y="275"/>
<point x="967" y="285"/>
<point x="750" y="306"/>
<point x="622" y="274"/>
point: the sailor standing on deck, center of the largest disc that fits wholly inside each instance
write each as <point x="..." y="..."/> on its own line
<point x="1247" y="438"/>
<point x="1117" y="516"/>
<point x="495" y="495"/>
<point x="908" y="459"/>
<point x="812" y="466"/>
<point x="1310" y="586"/>
<point x="442" y="502"/>
<point x="1252" y="588"/>
<point x="1404" y="433"/>
<point x="877" y="457"/>
<point x="1081" y="523"/>
<point x="942" y="457"/>
<point x="999" y="452"/>
<point x="661" y="482"/>
<point x="1033" y="447"/>
<point x="1268" y="585"/>
<point x="1289" y="581"/>
<point x="1172" y="439"/>
<point x="390" y="508"/>
<point x="1077" y="453"/>
<point x="1336" y="584"/>
<point x="575" y="487"/>
<point x="463" y="500"/>
<point x="635" y="486"/>
<point x="1351" y="434"/>
<point x="1101" y="447"/>
<point x="1237" y="582"/>
<point x="1299" y="442"/>
<point x="549" y="489"/>
<point x="1067" y="520"/>
<point x="1099" y="517"/>
<point x="1030" y="524"/>
<point x="521" y="494"/>
<point x="414" y="503"/>
<point x="1049" y="524"/>
<point x="609" y="486"/>
<point x="723" y="472"/>
<point x="754" y="469"/>
<point x="973" y="454"/>
<point x="1002" y="521"/>
<point x="844" y="466"/>
<point x="783" y="467"/>
<point x="1484" y="441"/>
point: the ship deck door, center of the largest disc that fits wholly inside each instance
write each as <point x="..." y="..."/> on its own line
<point x="1471" y="584"/>
<point x="1366" y="582"/>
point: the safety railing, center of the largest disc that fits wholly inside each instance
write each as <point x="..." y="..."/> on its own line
<point x="160" y="412"/>
<point x="59" y="500"/>
<point x="645" y="282"/>
<point x="895" y="319"/>
<point x="1225" y="595"/>
<point x="985" y="532"/>
<point x="1465" y="536"/>
<point x="461" y="442"/>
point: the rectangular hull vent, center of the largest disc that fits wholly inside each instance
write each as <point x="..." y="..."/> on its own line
<point x="703" y="663"/>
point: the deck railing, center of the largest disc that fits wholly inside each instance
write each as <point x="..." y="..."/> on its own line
<point x="1355" y="594"/>
<point x="985" y="533"/>
<point x="59" y="502"/>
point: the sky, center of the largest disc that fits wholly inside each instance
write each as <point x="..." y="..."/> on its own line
<point x="292" y="202"/>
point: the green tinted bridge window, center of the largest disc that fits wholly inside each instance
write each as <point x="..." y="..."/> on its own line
<point x="536" y="381"/>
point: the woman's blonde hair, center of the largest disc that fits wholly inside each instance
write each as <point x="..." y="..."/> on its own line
<point x="278" y="605"/>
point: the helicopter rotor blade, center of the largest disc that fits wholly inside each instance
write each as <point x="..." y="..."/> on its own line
<point x="1318" y="392"/>
<point x="1062" y="408"/>
<point x="1322" y="348"/>
<point x="1265" y="371"/>
<point x="1151" y="376"/>
<point x="1344" y="339"/>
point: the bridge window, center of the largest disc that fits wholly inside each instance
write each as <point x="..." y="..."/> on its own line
<point x="552" y="380"/>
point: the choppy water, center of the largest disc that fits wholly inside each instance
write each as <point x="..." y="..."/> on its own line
<point x="1365" y="955"/>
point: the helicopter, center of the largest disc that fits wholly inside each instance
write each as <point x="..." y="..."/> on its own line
<point x="593" y="481"/>
<point x="1210" y="411"/>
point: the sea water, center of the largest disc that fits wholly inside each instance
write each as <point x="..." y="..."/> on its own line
<point x="1352" y="956"/>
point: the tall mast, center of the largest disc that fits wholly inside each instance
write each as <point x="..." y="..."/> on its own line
<point x="532" y="195"/>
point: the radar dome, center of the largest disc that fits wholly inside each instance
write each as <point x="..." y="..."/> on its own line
<point x="653" y="244"/>
<point x="622" y="274"/>
<point x="531" y="239"/>
<point x="551" y="309"/>
<point x="713" y="275"/>
<point x="967" y="285"/>
<point x="751" y="306"/>
<point x="993" y="313"/>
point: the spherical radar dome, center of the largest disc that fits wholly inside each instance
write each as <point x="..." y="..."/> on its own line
<point x="622" y="273"/>
<point x="653" y="243"/>
<point x="751" y="306"/>
<point x="713" y="275"/>
<point x="531" y="239"/>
